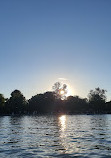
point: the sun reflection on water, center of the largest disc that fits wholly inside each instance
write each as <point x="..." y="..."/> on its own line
<point x="62" y="120"/>
<point x="63" y="133"/>
<point x="68" y="147"/>
<point x="62" y="123"/>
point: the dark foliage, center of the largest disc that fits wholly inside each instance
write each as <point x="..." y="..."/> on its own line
<point x="16" y="104"/>
<point x="42" y="103"/>
<point x="97" y="99"/>
<point x="58" y="87"/>
<point x="2" y="103"/>
<point x="53" y="103"/>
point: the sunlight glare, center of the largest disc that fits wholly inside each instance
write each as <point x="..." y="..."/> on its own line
<point x="62" y="92"/>
<point x="62" y="120"/>
<point x="70" y="91"/>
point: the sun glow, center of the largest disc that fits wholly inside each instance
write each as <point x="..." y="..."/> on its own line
<point x="69" y="91"/>
<point x="62" y="92"/>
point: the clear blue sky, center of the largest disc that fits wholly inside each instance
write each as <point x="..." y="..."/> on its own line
<point x="43" y="40"/>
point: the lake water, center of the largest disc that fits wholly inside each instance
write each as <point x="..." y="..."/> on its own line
<point x="55" y="136"/>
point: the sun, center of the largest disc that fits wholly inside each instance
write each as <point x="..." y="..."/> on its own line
<point x="62" y="92"/>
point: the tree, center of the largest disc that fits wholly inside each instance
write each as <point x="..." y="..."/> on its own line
<point x="75" y="104"/>
<point x="97" y="95"/>
<point x="60" y="90"/>
<point x="2" y="103"/>
<point x="17" y="103"/>
<point x="42" y="103"/>
<point x="97" y="99"/>
<point x="2" y="100"/>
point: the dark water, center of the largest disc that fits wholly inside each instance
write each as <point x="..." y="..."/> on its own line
<point x="55" y="136"/>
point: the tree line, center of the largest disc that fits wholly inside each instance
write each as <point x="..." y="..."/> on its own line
<point x="55" y="102"/>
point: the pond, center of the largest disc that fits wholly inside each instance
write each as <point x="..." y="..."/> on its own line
<point x="55" y="136"/>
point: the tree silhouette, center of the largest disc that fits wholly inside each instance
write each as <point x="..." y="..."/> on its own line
<point x="75" y="104"/>
<point x="56" y="102"/>
<point x="97" y="95"/>
<point x="97" y="99"/>
<point x="42" y="103"/>
<point x="60" y="90"/>
<point x="2" y="103"/>
<point x="17" y="102"/>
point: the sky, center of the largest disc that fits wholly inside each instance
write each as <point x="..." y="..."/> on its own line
<point x="45" y="41"/>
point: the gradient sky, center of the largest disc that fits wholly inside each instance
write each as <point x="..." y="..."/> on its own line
<point x="44" y="40"/>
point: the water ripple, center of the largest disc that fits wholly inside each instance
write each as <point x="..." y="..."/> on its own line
<point x="55" y="136"/>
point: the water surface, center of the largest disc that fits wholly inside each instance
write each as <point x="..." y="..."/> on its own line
<point x="55" y="136"/>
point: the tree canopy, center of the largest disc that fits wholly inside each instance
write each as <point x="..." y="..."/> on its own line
<point x="60" y="90"/>
<point x="16" y="103"/>
<point x="97" y="95"/>
<point x="55" y="102"/>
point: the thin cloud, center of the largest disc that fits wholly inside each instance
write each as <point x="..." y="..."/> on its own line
<point x="63" y="79"/>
